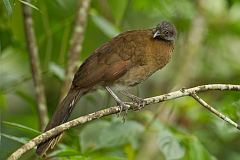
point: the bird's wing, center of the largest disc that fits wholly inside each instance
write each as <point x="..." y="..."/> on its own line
<point x="107" y="63"/>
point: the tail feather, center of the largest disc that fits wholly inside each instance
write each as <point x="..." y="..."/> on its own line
<point x="60" y="116"/>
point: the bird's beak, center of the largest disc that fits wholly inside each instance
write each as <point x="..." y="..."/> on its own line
<point x="156" y="34"/>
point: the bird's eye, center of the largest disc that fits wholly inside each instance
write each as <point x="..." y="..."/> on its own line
<point x="166" y="32"/>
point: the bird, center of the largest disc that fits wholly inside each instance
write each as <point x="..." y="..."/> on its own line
<point x="119" y="64"/>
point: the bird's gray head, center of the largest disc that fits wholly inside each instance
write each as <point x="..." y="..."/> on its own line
<point x="165" y="31"/>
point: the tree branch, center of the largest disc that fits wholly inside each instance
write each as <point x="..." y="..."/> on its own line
<point x="75" y="45"/>
<point x="35" y="65"/>
<point x="214" y="111"/>
<point x="116" y="109"/>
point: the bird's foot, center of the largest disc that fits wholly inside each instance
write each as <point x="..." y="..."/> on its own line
<point x="139" y="103"/>
<point x="121" y="104"/>
<point x="123" y="107"/>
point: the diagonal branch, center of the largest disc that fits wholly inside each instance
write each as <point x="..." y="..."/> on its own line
<point x="75" y="44"/>
<point x="214" y="111"/>
<point x="116" y="109"/>
<point x="35" y="65"/>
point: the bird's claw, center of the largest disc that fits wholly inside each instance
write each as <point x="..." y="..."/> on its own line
<point x="125" y="107"/>
<point x="139" y="103"/>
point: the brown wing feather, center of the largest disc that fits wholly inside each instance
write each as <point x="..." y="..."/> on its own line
<point x="107" y="63"/>
<point x="116" y="71"/>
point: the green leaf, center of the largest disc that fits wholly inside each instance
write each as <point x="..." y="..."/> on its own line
<point x="88" y="136"/>
<point x="104" y="25"/>
<point x="64" y="153"/>
<point x="109" y="134"/>
<point x="119" y="133"/>
<point x="8" y="6"/>
<point x="57" y="70"/>
<point x="195" y="150"/>
<point x="25" y="128"/>
<point x="169" y="145"/>
<point x="168" y="142"/>
<point x="74" y="158"/>
<point x="29" y="4"/>
<point x="118" y="9"/>
<point x="22" y="140"/>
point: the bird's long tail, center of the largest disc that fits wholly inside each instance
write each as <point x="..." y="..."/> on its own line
<point x="60" y="116"/>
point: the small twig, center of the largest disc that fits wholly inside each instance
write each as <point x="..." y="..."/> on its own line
<point x="113" y="110"/>
<point x="75" y="45"/>
<point x="214" y="111"/>
<point x="35" y="65"/>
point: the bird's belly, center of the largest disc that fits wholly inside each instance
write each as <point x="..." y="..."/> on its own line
<point x="134" y="76"/>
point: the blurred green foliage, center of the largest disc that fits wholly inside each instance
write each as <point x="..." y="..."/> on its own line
<point x="207" y="51"/>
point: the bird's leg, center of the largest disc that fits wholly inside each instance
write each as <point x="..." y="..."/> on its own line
<point x="140" y="102"/>
<point x="119" y="101"/>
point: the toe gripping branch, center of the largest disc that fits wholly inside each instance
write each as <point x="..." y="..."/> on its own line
<point x="139" y="103"/>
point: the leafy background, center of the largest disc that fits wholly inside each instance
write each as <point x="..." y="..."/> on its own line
<point x="207" y="51"/>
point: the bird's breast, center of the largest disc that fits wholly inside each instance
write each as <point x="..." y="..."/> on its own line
<point x="159" y="53"/>
<point x="147" y="60"/>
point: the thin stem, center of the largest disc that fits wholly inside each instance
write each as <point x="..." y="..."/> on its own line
<point x="214" y="111"/>
<point x="35" y="65"/>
